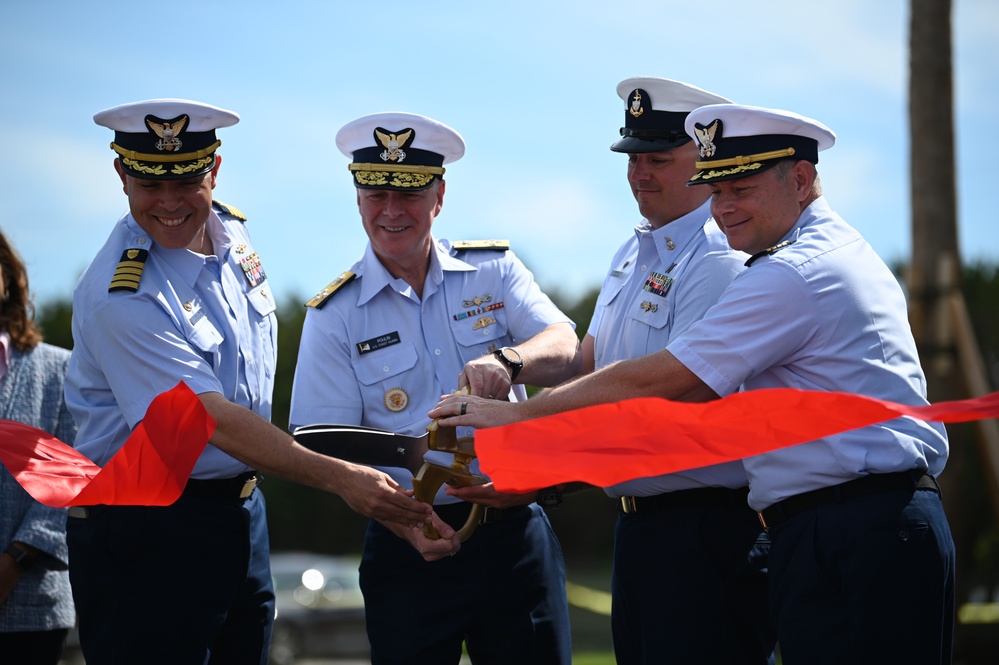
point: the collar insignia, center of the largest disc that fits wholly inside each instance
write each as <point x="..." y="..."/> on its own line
<point x="636" y="105"/>
<point x="706" y="137"/>
<point x="394" y="143"/>
<point x="670" y="245"/>
<point x="168" y="131"/>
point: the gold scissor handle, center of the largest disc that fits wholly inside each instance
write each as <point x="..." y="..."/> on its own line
<point x="429" y="479"/>
<point x="431" y="476"/>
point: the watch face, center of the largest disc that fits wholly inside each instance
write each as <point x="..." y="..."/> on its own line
<point x="511" y="356"/>
<point x="511" y="359"/>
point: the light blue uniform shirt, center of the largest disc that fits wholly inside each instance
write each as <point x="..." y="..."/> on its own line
<point x="824" y="313"/>
<point x="207" y="321"/>
<point x="660" y="282"/>
<point x="376" y="355"/>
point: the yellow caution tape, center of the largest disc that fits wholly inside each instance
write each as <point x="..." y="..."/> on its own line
<point x="592" y="600"/>
<point x="978" y="613"/>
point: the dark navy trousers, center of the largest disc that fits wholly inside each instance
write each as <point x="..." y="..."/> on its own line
<point x="868" y="580"/>
<point x="181" y="585"/>
<point x="503" y="594"/>
<point x="689" y="585"/>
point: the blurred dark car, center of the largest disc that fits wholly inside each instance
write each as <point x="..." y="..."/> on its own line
<point x="320" y="609"/>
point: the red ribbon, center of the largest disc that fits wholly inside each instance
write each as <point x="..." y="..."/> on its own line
<point x="608" y="444"/>
<point x="150" y="469"/>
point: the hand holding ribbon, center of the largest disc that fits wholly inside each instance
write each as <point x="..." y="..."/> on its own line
<point x="150" y="469"/>
<point x="608" y="444"/>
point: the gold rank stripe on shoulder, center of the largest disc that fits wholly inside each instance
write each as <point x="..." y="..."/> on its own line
<point x="129" y="270"/>
<point x="769" y="251"/>
<point x="320" y="298"/>
<point x="230" y="210"/>
<point x="497" y="245"/>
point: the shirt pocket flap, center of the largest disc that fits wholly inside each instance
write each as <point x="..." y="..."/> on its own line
<point x="204" y="335"/>
<point x="480" y="329"/>
<point x="261" y="300"/>
<point x="385" y="363"/>
<point x="610" y="289"/>
<point x="652" y="310"/>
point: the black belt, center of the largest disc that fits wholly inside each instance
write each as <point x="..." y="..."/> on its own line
<point x="456" y="514"/>
<point x="917" y="479"/>
<point x="240" y="487"/>
<point x="692" y="498"/>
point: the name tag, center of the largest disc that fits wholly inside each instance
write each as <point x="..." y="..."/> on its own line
<point x="375" y="343"/>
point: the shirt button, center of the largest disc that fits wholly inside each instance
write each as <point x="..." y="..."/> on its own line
<point x="437" y="352"/>
<point x="385" y="368"/>
<point x="644" y="268"/>
<point x="142" y="241"/>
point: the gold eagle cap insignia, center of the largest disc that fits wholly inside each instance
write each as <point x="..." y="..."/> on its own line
<point x="393" y="143"/>
<point x="167" y="131"/>
<point x="706" y="137"/>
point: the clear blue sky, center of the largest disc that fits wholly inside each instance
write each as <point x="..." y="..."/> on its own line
<point x="530" y="85"/>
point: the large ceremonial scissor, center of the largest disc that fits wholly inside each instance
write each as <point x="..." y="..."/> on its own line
<point x="375" y="447"/>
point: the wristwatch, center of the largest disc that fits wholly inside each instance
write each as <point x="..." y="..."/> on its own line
<point x="549" y="497"/>
<point x="511" y="358"/>
<point x="22" y="557"/>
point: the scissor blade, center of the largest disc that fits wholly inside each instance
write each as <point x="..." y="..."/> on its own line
<point x="365" y="445"/>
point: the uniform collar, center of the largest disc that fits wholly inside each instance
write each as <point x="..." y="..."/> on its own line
<point x="187" y="264"/>
<point x="815" y="210"/>
<point x="376" y="277"/>
<point x="671" y="238"/>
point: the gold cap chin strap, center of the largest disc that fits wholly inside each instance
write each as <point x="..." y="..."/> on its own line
<point x="398" y="168"/>
<point x="742" y="160"/>
<point x="173" y="157"/>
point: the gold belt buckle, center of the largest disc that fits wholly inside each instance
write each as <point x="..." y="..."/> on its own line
<point x="248" y="486"/>
<point x="628" y="505"/>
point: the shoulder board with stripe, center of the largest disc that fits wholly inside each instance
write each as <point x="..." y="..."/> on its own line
<point x="496" y="245"/>
<point x="320" y="298"/>
<point x="768" y="252"/>
<point x="129" y="270"/>
<point x="229" y="210"/>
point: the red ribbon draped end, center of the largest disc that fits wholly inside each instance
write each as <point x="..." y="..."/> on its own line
<point x="150" y="469"/>
<point x="608" y="444"/>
